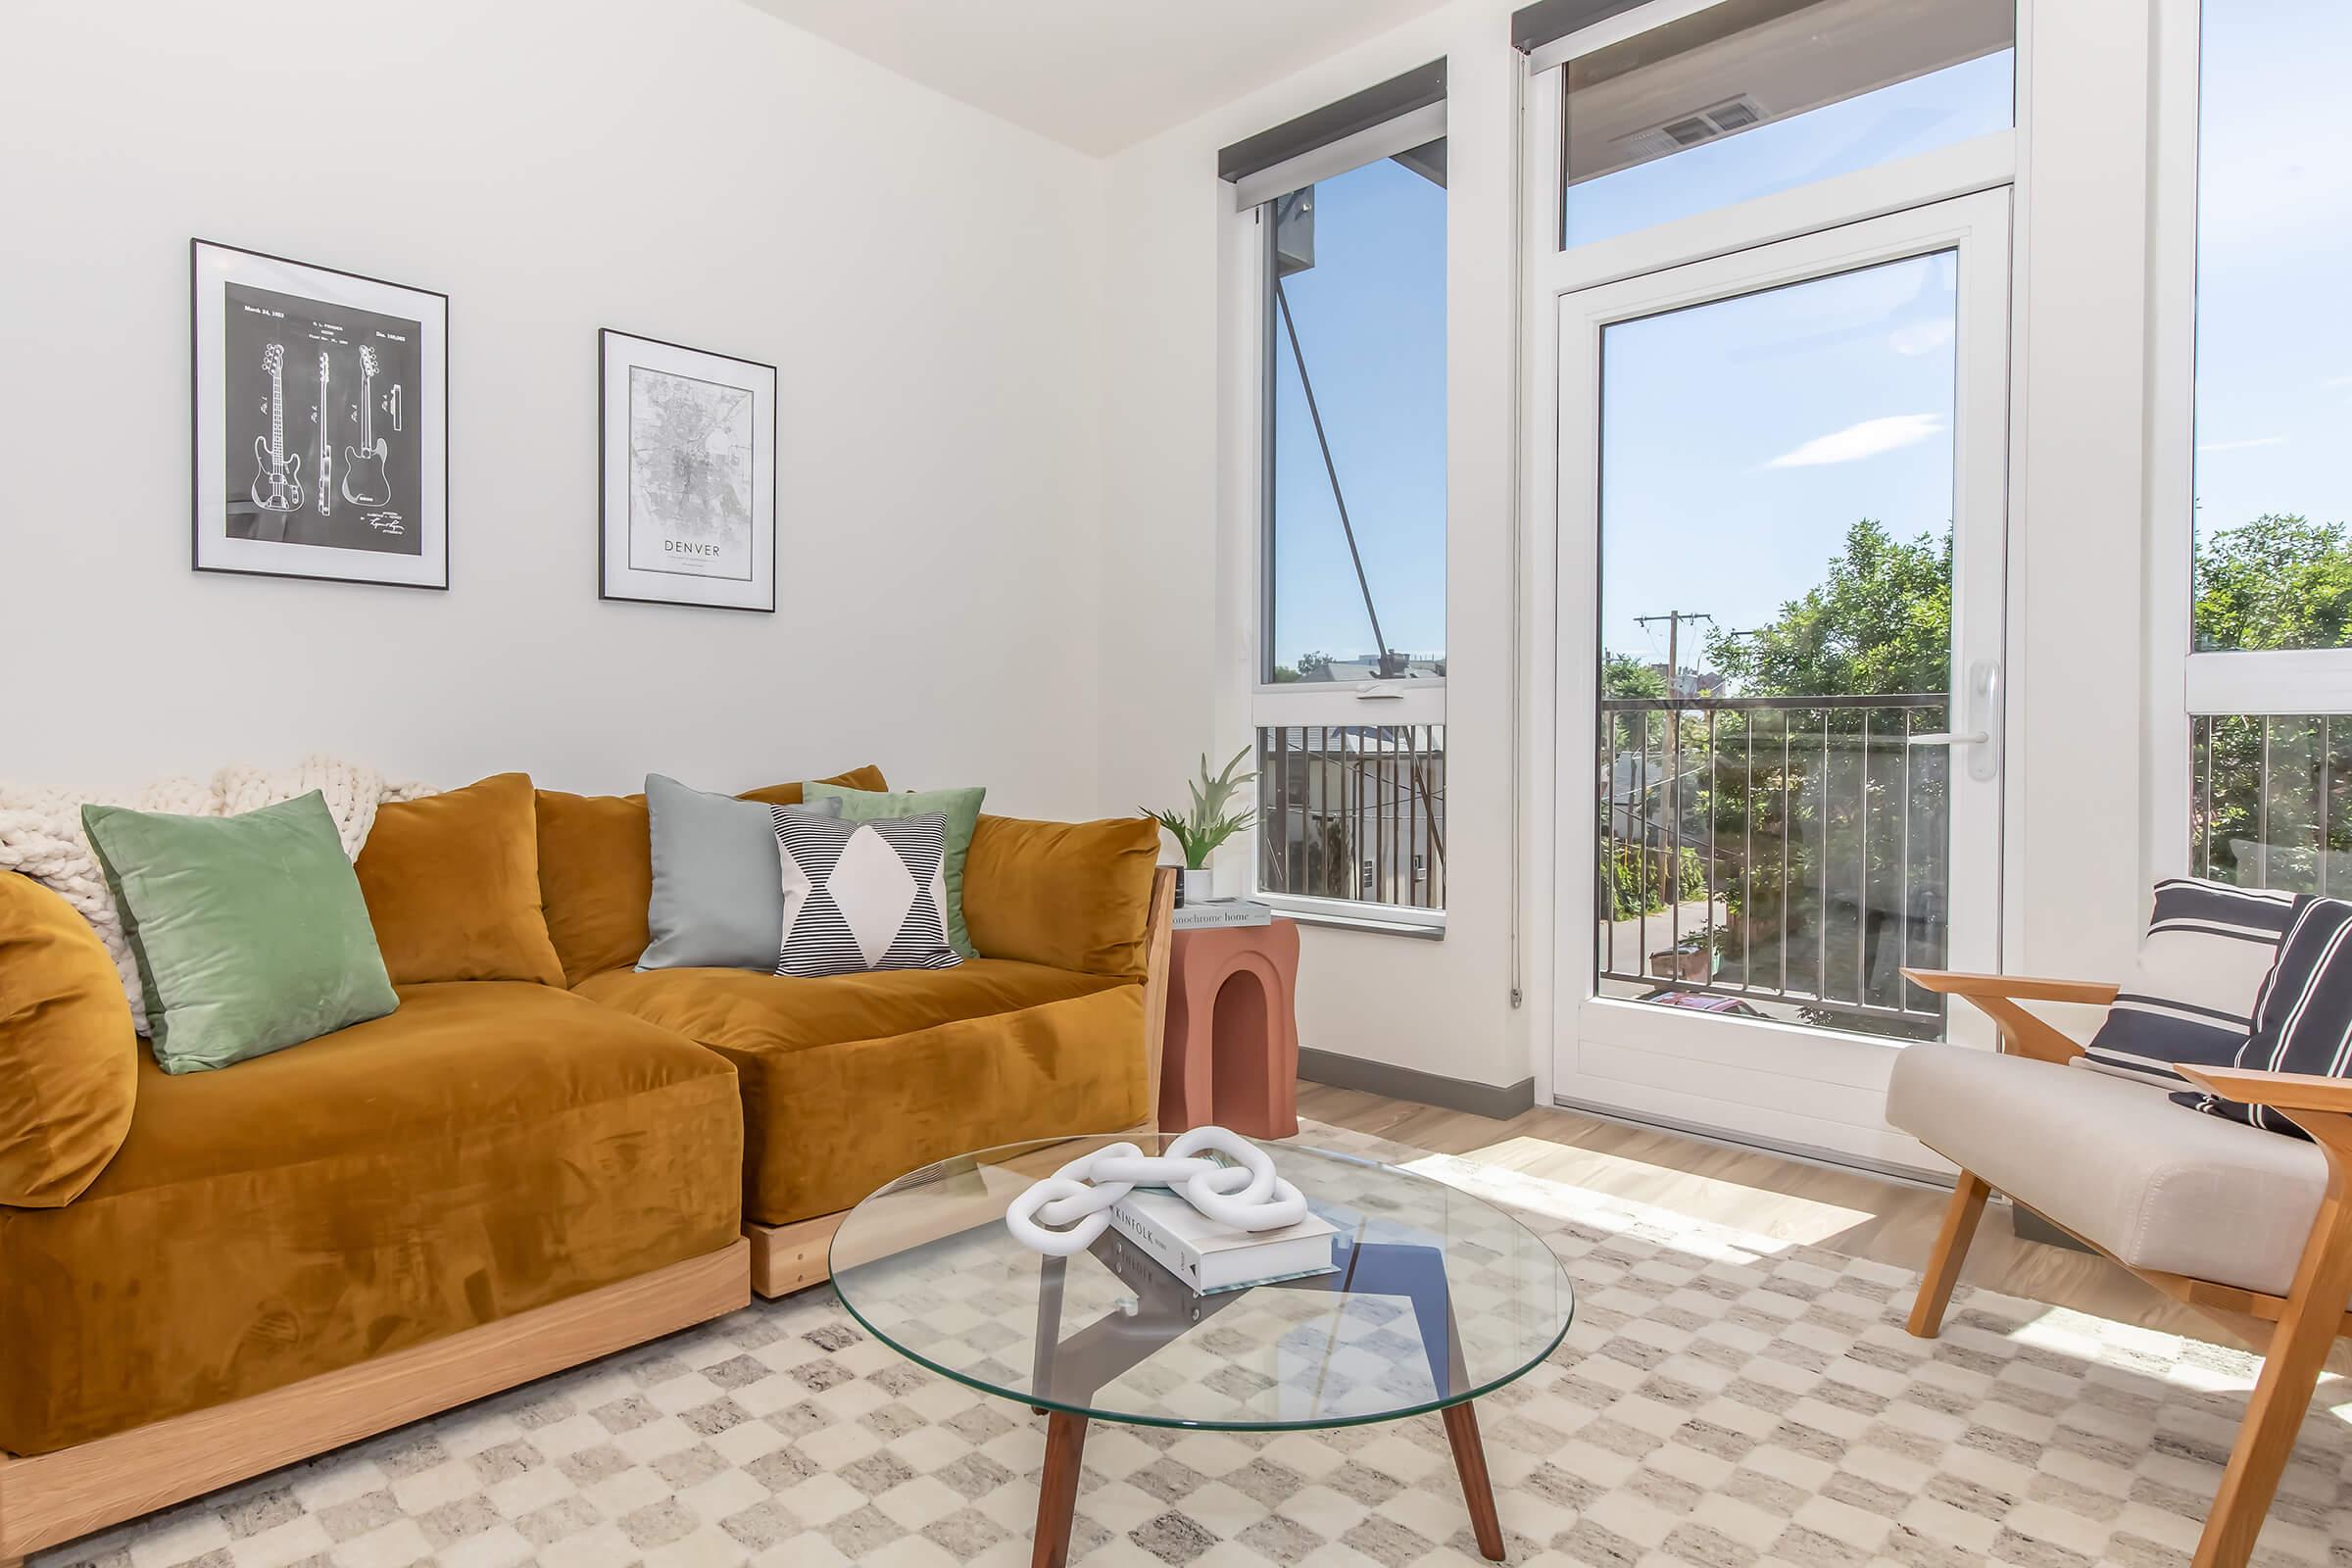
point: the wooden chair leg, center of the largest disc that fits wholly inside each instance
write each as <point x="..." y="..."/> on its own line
<point x="2314" y="1315"/>
<point x="1952" y="1250"/>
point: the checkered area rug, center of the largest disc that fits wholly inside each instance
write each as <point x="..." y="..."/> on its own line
<point x="1723" y="1400"/>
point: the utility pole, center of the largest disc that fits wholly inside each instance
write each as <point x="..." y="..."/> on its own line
<point x="1670" y="831"/>
<point x="1674" y="620"/>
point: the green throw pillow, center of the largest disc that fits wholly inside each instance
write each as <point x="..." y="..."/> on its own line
<point x="962" y="808"/>
<point x="250" y="931"/>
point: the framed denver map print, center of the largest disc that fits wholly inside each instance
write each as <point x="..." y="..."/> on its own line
<point x="321" y="422"/>
<point x="687" y="487"/>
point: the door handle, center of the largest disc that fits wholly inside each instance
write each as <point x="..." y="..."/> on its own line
<point x="1984" y="704"/>
<point x="1379" y="692"/>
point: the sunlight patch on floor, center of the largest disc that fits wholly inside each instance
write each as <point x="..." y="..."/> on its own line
<point x="1775" y="1215"/>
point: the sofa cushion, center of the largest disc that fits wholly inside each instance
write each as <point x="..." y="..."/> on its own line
<point x="1072" y="895"/>
<point x="68" y="1054"/>
<point x="2192" y="994"/>
<point x="2303" y="1018"/>
<point x="483" y="1150"/>
<point x="596" y="870"/>
<point x="453" y="886"/>
<point x="2117" y="1162"/>
<point x="718" y="881"/>
<point x="958" y="809"/>
<point x="851" y="1080"/>
<point x="249" y="931"/>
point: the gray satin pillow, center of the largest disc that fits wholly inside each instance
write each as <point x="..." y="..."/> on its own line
<point x="718" y="891"/>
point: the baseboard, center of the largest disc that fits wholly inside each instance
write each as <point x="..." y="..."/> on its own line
<point x="1498" y="1102"/>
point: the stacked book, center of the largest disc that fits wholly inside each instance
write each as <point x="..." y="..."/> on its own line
<point x="1210" y="1258"/>
<point x="1210" y="913"/>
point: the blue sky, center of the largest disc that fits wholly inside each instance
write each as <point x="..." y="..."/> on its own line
<point x="1741" y="440"/>
<point x="2275" y="221"/>
<point x="1371" y="318"/>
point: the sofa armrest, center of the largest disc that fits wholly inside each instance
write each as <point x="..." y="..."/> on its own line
<point x="1997" y="995"/>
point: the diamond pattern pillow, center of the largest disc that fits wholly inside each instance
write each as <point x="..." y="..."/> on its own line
<point x="863" y="896"/>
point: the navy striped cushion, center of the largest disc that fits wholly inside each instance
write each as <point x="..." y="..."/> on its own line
<point x="2191" y="997"/>
<point x="2303" y="1019"/>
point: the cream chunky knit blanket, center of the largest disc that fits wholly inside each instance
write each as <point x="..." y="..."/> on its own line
<point x="40" y="830"/>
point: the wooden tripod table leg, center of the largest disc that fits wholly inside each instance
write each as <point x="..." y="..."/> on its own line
<point x="1470" y="1458"/>
<point x="1058" y="1495"/>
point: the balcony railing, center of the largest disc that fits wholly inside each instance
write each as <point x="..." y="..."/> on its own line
<point x="1787" y="853"/>
<point x="2273" y="805"/>
<point x="1354" y="811"/>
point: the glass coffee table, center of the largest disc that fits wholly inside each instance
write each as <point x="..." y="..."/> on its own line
<point x="1439" y="1297"/>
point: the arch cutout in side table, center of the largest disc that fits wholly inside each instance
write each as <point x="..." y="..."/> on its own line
<point x="927" y="1267"/>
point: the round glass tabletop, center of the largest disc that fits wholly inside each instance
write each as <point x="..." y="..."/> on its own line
<point x="1437" y="1298"/>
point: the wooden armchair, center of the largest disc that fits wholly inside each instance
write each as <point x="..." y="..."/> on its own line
<point x="1999" y="1118"/>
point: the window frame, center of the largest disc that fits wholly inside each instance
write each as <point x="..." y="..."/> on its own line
<point x="2184" y="683"/>
<point x="1989" y="162"/>
<point x="1254" y="361"/>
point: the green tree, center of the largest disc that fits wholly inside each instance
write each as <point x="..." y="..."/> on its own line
<point x="1624" y="675"/>
<point x="1880" y="621"/>
<point x="1310" y="666"/>
<point x="2280" y="582"/>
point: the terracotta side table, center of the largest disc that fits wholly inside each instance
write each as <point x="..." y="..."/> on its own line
<point x="1232" y="1053"/>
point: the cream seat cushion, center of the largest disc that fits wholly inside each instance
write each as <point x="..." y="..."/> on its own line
<point x="2118" y="1164"/>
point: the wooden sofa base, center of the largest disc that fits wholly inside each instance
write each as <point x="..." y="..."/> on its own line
<point x="52" y="1498"/>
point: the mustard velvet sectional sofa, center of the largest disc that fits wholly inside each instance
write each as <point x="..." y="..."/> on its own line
<point x="540" y="1157"/>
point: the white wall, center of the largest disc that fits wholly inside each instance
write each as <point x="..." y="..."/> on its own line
<point x="1179" y="538"/>
<point x="926" y="278"/>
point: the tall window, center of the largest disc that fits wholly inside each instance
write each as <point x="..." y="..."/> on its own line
<point x="1349" y="703"/>
<point x="2271" y="802"/>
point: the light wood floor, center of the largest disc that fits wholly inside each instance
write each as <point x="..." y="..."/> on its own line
<point x="1846" y="1212"/>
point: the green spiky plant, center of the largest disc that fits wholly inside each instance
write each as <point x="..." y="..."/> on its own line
<point x="1210" y="823"/>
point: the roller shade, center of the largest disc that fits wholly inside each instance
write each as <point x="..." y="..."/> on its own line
<point x="1549" y="21"/>
<point x="1407" y="109"/>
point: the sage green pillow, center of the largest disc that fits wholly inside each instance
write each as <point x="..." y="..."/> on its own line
<point x="250" y="931"/>
<point x="962" y="808"/>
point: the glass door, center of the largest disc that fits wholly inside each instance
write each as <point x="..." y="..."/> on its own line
<point x="1782" y="515"/>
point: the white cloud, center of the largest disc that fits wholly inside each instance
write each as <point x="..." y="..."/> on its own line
<point x="1868" y="439"/>
<point x="2240" y="446"/>
<point x="1921" y="337"/>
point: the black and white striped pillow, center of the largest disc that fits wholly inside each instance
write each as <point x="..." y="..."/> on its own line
<point x="2191" y="997"/>
<point x="2303" y="1019"/>
<point x="863" y="896"/>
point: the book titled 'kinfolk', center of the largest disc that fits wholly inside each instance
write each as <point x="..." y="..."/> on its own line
<point x="1211" y="1257"/>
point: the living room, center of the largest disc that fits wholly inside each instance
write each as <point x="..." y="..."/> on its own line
<point x="1654" y="678"/>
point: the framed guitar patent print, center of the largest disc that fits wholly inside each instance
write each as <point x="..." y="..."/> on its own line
<point x="321" y="422"/>
<point x="687" y="486"/>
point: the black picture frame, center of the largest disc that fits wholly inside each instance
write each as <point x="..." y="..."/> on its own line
<point x="237" y="556"/>
<point x="762" y="543"/>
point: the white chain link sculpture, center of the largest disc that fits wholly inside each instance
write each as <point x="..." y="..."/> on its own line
<point x="1076" y="1199"/>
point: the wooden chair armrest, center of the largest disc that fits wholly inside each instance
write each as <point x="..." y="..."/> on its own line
<point x="2281" y="1090"/>
<point x="2016" y="987"/>
<point x="2023" y="1034"/>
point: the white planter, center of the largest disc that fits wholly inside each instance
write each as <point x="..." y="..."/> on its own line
<point x="1198" y="887"/>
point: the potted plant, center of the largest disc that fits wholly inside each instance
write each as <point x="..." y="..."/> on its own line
<point x="1208" y="824"/>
